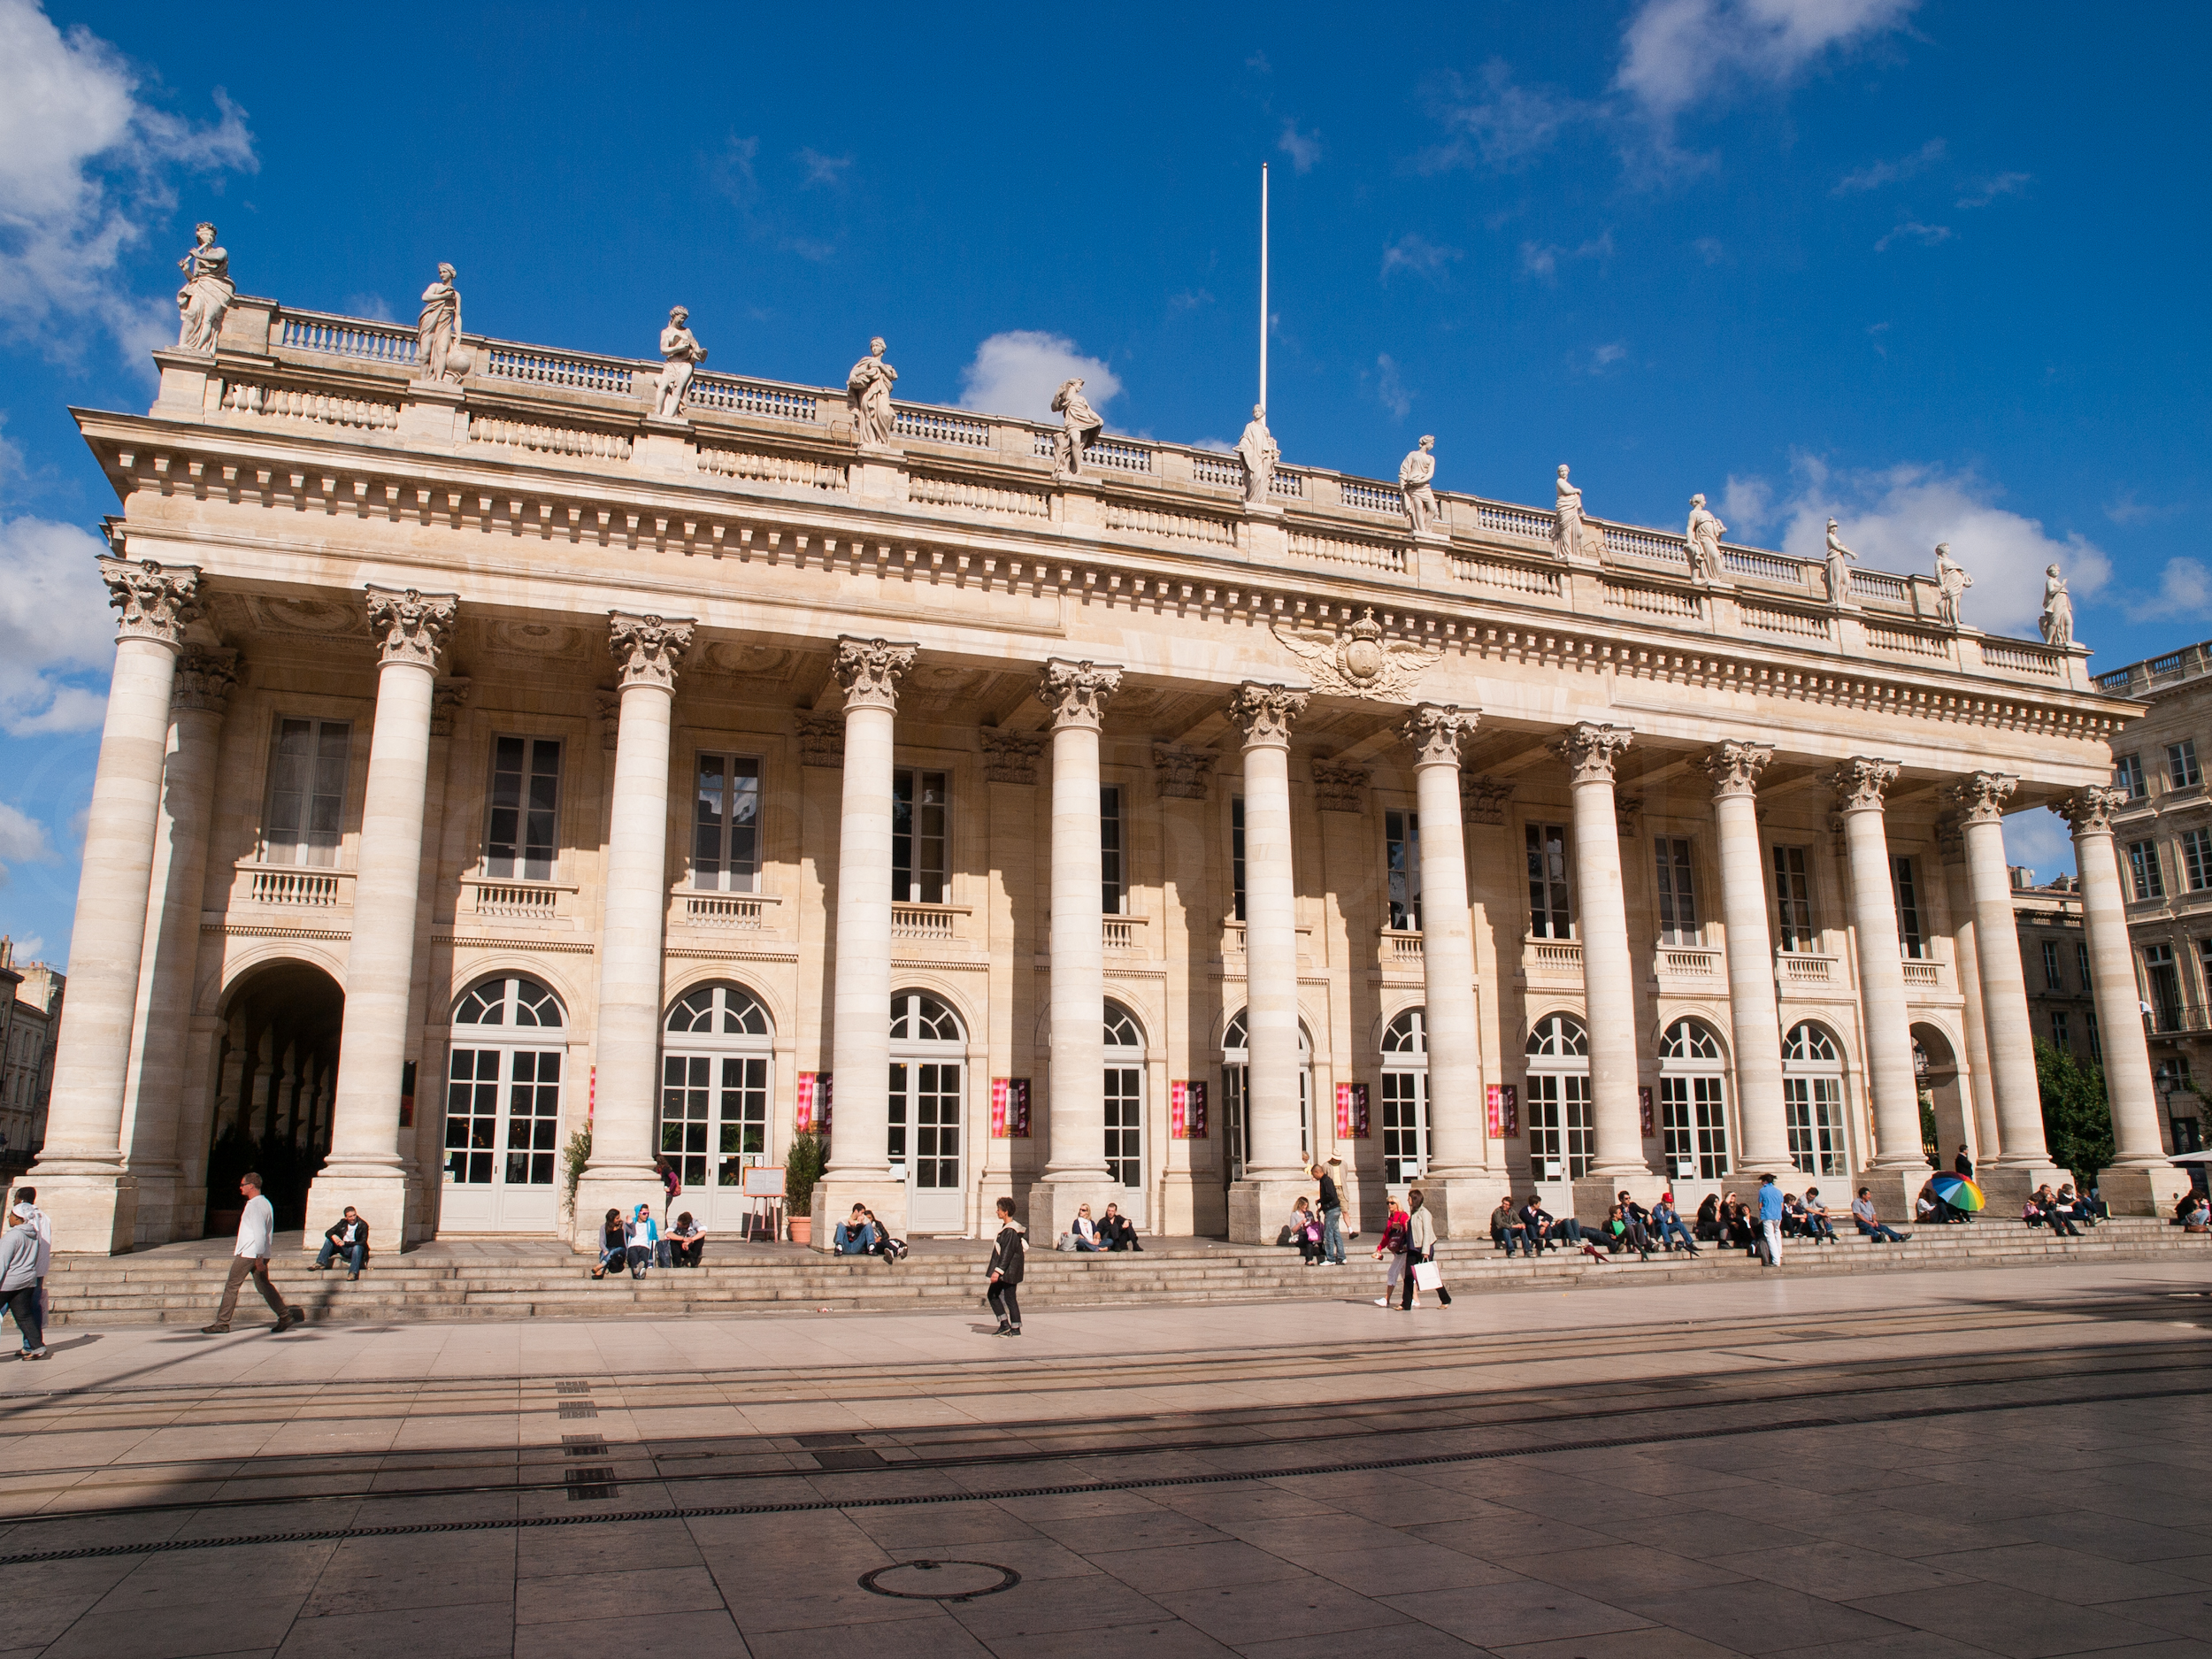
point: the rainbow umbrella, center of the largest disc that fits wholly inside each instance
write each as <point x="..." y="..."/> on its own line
<point x="1958" y="1192"/>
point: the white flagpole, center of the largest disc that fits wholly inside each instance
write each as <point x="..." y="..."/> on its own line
<point x="1263" y="288"/>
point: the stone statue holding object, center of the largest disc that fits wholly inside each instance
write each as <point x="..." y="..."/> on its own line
<point x="1572" y="536"/>
<point x="1951" y="581"/>
<point x="1079" y="426"/>
<point x="1416" y="475"/>
<point x="680" y="354"/>
<point x="206" y="294"/>
<point x="1840" y="558"/>
<point x="438" y="331"/>
<point x="868" y="389"/>
<point x="2057" y="620"/>
<point x="1703" y="536"/>
<point x="1260" y="452"/>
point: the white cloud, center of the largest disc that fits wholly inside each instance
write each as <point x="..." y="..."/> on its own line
<point x="821" y="169"/>
<point x="1892" y="518"/>
<point x="1677" y="54"/>
<point x="31" y="947"/>
<point x="1913" y="230"/>
<point x="1390" y="387"/>
<point x="86" y="168"/>
<point x="1018" y="372"/>
<point x="1417" y="253"/>
<point x="1983" y="191"/>
<point x="1748" y="503"/>
<point x="2185" y="590"/>
<point x="1303" y="148"/>
<point x="2040" y="840"/>
<point x="1710" y="249"/>
<point x="1875" y="174"/>
<point x="54" y="627"/>
<point x="22" y="838"/>
<point x="1497" y="123"/>
<point x="1604" y="357"/>
<point x="1542" y="259"/>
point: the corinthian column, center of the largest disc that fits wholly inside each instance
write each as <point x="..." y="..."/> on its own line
<point x="80" y="1174"/>
<point x="1860" y="785"/>
<point x="155" y="1104"/>
<point x="1075" y="1167"/>
<point x="1276" y="1171"/>
<point x="2140" y="1181"/>
<point x="1459" y="1185"/>
<point x="2023" y="1162"/>
<point x="633" y="924"/>
<point x="366" y="1167"/>
<point x="859" y="1167"/>
<point x="1609" y="984"/>
<point x="1755" y="1028"/>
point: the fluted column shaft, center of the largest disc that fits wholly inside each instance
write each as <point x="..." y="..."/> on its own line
<point x="80" y="1173"/>
<point x="2138" y="1144"/>
<point x="1754" y="1020"/>
<point x="2004" y="999"/>
<point x="1458" y="1126"/>
<point x="1077" y="694"/>
<point x="1860" y="785"/>
<point x="1609" y="984"/>
<point x="1271" y="943"/>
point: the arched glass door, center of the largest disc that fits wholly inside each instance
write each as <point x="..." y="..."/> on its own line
<point x="924" y="1140"/>
<point x="717" y="1067"/>
<point x="1812" y="1099"/>
<point x="503" y="1110"/>
<point x="1125" y="1109"/>
<point x="1236" y="1077"/>
<point x="1562" y="1142"/>
<point x="1694" y="1102"/>
<point x="1405" y="1099"/>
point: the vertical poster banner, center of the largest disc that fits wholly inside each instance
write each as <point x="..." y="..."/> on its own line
<point x="1643" y="1099"/>
<point x="1017" y="1108"/>
<point x="1177" y="1109"/>
<point x="1359" y="1112"/>
<point x="1197" y="1109"/>
<point x="1344" y="1111"/>
<point x="998" y="1107"/>
<point x="1493" y="1100"/>
<point x="821" y="1102"/>
<point x="802" y="1119"/>
<point x="1509" y="1108"/>
<point x="406" y="1096"/>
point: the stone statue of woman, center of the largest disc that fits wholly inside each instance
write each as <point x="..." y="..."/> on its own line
<point x="206" y="294"/>
<point x="1079" y="426"/>
<point x="1416" y="478"/>
<point x="1704" y="536"/>
<point x="1951" y="581"/>
<point x="438" y="330"/>
<point x="1840" y="558"/>
<point x="868" y="390"/>
<point x="680" y="354"/>
<point x="1260" y="452"/>
<point x="1573" y="537"/>
<point x="2058" y="609"/>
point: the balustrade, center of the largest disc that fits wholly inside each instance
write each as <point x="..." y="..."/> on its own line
<point x="1372" y="497"/>
<point x="534" y="368"/>
<point x="750" y="397"/>
<point x="574" y="441"/>
<point x="937" y="425"/>
<point x="284" y="402"/>
<point x="1804" y="967"/>
<point x="928" y="924"/>
<point x="746" y="911"/>
<point x="346" y="337"/>
<point x="293" y="886"/>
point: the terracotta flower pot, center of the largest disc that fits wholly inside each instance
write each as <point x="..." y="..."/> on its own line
<point x="803" y="1229"/>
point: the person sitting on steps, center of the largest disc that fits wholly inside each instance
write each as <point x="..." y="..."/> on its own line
<point x="1117" y="1230"/>
<point x="1871" y="1227"/>
<point x="349" y="1234"/>
<point x="614" y="1244"/>
<point x="1818" y="1226"/>
<point x="686" y="1243"/>
<point x="856" y="1235"/>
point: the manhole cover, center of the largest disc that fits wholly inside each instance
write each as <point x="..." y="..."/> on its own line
<point x="940" y="1580"/>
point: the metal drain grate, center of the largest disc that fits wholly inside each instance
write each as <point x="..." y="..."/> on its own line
<point x="857" y="1457"/>
<point x="579" y="1409"/>
<point x="584" y="1445"/>
<point x="572" y="1388"/>
<point x="591" y="1483"/>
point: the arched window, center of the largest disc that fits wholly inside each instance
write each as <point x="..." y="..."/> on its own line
<point x="717" y="1066"/>
<point x="1562" y="1141"/>
<point x="502" y="1111"/>
<point x="1405" y="1097"/>
<point x="1124" y="1109"/>
<point x="1236" y="1077"/>
<point x="1694" y="1100"/>
<point x="917" y="1017"/>
<point x="923" y="1133"/>
<point x="1812" y="1099"/>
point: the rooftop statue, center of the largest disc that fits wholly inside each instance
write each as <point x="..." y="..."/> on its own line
<point x="1572" y="537"/>
<point x="1704" y="536"/>
<point x="1079" y="426"/>
<point x="1260" y="453"/>
<point x="680" y="354"/>
<point x="2057" y="620"/>
<point x="438" y="355"/>
<point x="1416" y="475"/>
<point x="1951" y="581"/>
<point x="868" y="389"/>
<point x="206" y="294"/>
<point x="1840" y="558"/>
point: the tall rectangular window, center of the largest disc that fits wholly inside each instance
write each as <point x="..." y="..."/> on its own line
<point x="1113" y="895"/>
<point x="1236" y="851"/>
<point x="2164" y="975"/>
<point x="2096" y="1043"/>
<point x="1909" y="936"/>
<point x="2127" y="776"/>
<point x="2051" y="979"/>
<point x="1793" y="900"/>
<point x="2146" y="880"/>
<point x="2181" y="764"/>
<point x="1677" y="898"/>
<point x="1551" y="915"/>
<point x="307" y="792"/>
<point x="521" y="834"/>
<point x="1402" y="852"/>
<point x="725" y="824"/>
<point x="2059" y="1032"/>
<point x="2081" y="966"/>
<point x="2196" y="859"/>
<point x="918" y="810"/>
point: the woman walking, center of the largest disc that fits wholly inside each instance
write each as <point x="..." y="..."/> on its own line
<point x="1390" y="1251"/>
<point x="1420" y="1247"/>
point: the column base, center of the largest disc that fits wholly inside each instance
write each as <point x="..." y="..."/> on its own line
<point x="1460" y="1204"/>
<point x="1594" y="1194"/>
<point x="2148" y="1191"/>
<point x="160" y="1206"/>
<point x="377" y="1192"/>
<point x="1896" y="1196"/>
<point x="1258" y="1207"/>
<point x="1053" y="1203"/>
<point x="598" y="1191"/>
<point x="94" y="1213"/>
<point x="835" y="1195"/>
<point x="2007" y="1185"/>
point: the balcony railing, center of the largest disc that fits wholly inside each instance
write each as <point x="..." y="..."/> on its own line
<point x="504" y="899"/>
<point x="1123" y="935"/>
<point x="1552" y="956"/>
<point x="747" y="911"/>
<point x="1804" y="967"/>
<point x="928" y="924"/>
<point x="1690" y="962"/>
<point x="1402" y="948"/>
<point x="293" y="886"/>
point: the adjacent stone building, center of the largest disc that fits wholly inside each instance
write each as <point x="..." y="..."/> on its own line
<point x="30" y="1018"/>
<point x="491" y="756"/>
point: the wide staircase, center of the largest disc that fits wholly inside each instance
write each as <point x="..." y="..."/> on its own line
<point x="180" y="1284"/>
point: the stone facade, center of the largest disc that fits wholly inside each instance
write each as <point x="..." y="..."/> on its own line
<point x="698" y="779"/>
<point x="30" y="1021"/>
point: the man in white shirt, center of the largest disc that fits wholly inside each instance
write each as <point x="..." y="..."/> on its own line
<point x="42" y="1228"/>
<point x="256" y="1234"/>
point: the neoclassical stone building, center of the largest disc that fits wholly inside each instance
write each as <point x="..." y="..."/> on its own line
<point x="493" y="754"/>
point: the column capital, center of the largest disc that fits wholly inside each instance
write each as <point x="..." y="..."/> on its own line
<point x="1340" y="785"/>
<point x="157" y="599"/>
<point x="1181" y="774"/>
<point x="1734" y="767"/>
<point x="1436" y="730"/>
<point x="647" y="649"/>
<point x="206" y="678"/>
<point x="448" y="697"/>
<point x="2090" y="811"/>
<point x="1265" y="713"/>
<point x="1077" y="693"/>
<point x="1860" y="784"/>
<point x="1011" y="756"/>
<point x="1980" y="797"/>
<point x="410" y="626"/>
<point x="871" y="669"/>
<point x="1592" y="749"/>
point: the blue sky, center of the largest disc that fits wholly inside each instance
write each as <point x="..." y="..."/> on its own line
<point x="1934" y="267"/>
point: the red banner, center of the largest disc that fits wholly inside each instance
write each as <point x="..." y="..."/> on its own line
<point x="813" y="1114"/>
<point x="1351" y="1111"/>
<point x="1195" y="1119"/>
<point x="1178" y="1111"/>
<point x="1017" y="1108"/>
<point x="1643" y="1099"/>
<point x="998" y="1107"/>
<point x="1505" y="1110"/>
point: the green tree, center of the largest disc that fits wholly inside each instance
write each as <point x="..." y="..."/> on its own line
<point x="2076" y="1117"/>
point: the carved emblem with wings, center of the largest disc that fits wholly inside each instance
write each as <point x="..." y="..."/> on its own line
<point x="1358" y="661"/>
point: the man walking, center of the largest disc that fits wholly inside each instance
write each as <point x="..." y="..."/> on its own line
<point x="256" y="1234"/>
<point x="18" y="1279"/>
<point x="1771" y="1220"/>
<point x="1007" y="1257"/>
<point x="1331" y="1218"/>
<point x="40" y="1224"/>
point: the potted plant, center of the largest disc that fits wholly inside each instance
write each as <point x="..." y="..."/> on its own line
<point x="802" y="1169"/>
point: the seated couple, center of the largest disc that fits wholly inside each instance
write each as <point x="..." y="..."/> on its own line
<point x="860" y="1233"/>
<point x="1111" y="1231"/>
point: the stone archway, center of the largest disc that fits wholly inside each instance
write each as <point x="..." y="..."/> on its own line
<point x="1936" y="1071"/>
<point x="276" y="1077"/>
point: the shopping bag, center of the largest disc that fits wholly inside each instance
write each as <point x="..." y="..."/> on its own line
<point x="1427" y="1275"/>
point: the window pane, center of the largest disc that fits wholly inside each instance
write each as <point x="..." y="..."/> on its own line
<point x="1678" y="895"/>
<point x="1112" y="897"/>
<point x="1549" y="915"/>
<point x="1236" y="851"/>
<point x="710" y="824"/>
<point x="1402" y="856"/>
<point x="1793" y="900"/>
<point x="1909" y="934"/>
